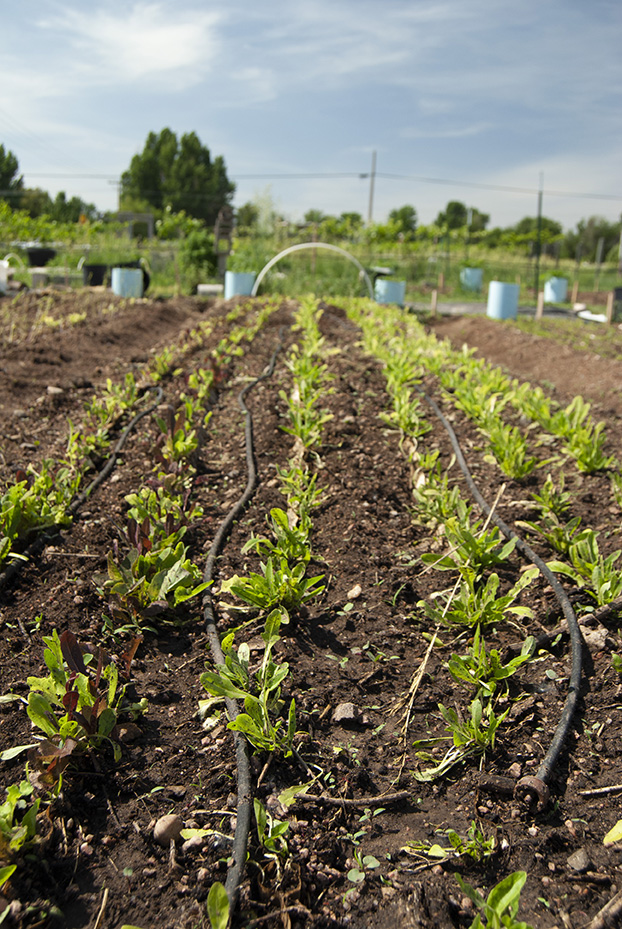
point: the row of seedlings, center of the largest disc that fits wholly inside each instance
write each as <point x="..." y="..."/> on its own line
<point x="78" y="707"/>
<point x="472" y="605"/>
<point x="278" y="591"/>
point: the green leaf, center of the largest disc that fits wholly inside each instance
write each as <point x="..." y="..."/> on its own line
<point x="9" y="753"/>
<point x="5" y="873"/>
<point x="218" y="906"/>
<point x="505" y="896"/>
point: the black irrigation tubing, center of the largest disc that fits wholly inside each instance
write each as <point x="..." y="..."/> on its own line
<point x="41" y="541"/>
<point x="532" y="787"/>
<point x="244" y="789"/>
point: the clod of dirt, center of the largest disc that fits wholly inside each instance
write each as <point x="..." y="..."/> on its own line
<point x="168" y="827"/>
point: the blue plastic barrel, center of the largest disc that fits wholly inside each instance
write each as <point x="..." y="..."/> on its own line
<point x="239" y="283"/>
<point x="127" y="282"/>
<point x="390" y="291"/>
<point x="555" y="290"/>
<point x="502" y="300"/>
<point x="471" y="278"/>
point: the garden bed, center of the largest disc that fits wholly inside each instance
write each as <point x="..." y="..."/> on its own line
<point x="362" y="642"/>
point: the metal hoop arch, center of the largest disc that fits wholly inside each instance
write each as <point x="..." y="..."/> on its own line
<point x="303" y="245"/>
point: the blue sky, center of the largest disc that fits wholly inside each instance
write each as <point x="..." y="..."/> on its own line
<point x="476" y="92"/>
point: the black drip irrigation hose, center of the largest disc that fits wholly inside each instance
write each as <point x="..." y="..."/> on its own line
<point x="533" y="788"/>
<point x="244" y="789"/>
<point x="36" y="547"/>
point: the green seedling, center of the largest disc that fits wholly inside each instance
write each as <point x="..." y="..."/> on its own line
<point x="291" y="542"/>
<point x="364" y="863"/>
<point x="500" y="909"/>
<point x="475" y="846"/>
<point x="509" y="449"/>
<point x="260" y="690"/>
<point x="279" y="585"/>
<point x="551" y="499"/>
<point x="147" y="582"/>
<point x="590" y="569"/>
<point x="18" y="820"/>
<point x="271" y="833"/>
<point x="161" y="516"/>
<point x="472" y="547"/>
<point x="76" y="706"/>
<point x="178" y="440"/>
<point x="560" y="536"/>
<point x="473" y="736"/>
<point x="484" y="670"/>
<point x="475" y="604"/>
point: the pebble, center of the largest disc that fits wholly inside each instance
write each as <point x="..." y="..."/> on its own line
<point x="355" y="593"/>
<point x="346" y="713"/>
<point x="55" y="391"/>
<point x="579" y="861"/>
<point x="166" y="828"/>
<point x="515" y="770"/>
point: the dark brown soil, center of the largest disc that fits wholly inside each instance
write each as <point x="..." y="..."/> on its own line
<point x="99" y="864"/>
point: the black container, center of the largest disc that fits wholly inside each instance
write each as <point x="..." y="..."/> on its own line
<point x="94" y="275"/>
<point x="38" y="257"/>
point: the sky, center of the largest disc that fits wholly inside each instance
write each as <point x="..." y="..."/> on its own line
<point x="480" y="101"/>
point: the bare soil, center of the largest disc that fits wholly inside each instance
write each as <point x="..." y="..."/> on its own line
<point x="99" y="864"/>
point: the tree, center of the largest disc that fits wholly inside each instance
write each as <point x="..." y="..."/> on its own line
<point x="454" y="216"/>
<point x="583" y="243"/>
<point x="11" y="183"/>
<point x="247" y="216"/>
<point x="405" y="218"/>
<point x="315" y="216"/>
<point x="176" y="174"/>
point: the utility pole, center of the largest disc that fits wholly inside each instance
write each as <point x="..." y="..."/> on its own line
<point x="536" y="284"/>
<point x="372" y="179"/>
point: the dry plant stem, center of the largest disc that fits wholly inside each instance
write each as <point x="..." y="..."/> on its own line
<point x="356" y="802"/>
<point x="269" y="918"/>
<point x="601" y="791"/>
<point x="102" y="910"/>
<point x="608" y="916"/>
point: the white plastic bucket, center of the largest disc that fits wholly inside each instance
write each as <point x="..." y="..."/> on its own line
<point x="4" y="276"/>
<point x="502" y="300"/>
<point x="238" y="283"/>
<point x="127" y="282"/>
<point x="555" y="290"/>
<point x="471" y="278"/>
<point x="390" y="291"/>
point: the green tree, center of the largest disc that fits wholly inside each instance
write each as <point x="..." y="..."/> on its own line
<point x="247" y="216"/>
<point x="35" y="202"/>
<point x="454" y="216"/>
<point x="179" y="174"/>
<point x="405" y="218"/>
<point x="11" y="182"/>
<point x="478" y="220"/>
<point x="70" y="211"/>
<point x="315" y="216"/>
<point x="583" y="242"/>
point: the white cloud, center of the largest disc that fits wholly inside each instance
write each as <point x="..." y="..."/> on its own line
<point x="147" y="41"/>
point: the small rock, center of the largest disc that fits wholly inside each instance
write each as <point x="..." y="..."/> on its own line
<point x="355" y="593"/>
<point x="194" y="844"/>
<point x="150" y="872"/>
<point x="346" y="713"/>
<point x="54" y="391"/>
<point x="533" y="831"/>
<point x="595" y="639"/>
<point x="579" y="861"/>
<point x="178" y="791"/>
<point x="202" y="876"/>
<point x="570" y="826"/>
<point x="168" y="827"/>
<point x="515" y="770"/>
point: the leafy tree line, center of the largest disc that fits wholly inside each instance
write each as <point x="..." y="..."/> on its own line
<point x="180" y="182"/>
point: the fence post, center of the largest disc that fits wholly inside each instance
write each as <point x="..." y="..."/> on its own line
<point x="610" y="297"/>
<point x="540" y="306"/>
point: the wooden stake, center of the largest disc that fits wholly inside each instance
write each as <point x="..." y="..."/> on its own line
<point x="441" y="281"/>
<point x="434" y="303"/>
<point x="540" y="306"/>
<point x="575" y="293"/>
<point x="610" y="296"/>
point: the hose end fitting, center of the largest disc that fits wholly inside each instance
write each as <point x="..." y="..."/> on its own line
<point x="533" y="792"/>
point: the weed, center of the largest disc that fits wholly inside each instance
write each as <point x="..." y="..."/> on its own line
<point x="501" y="906"/>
